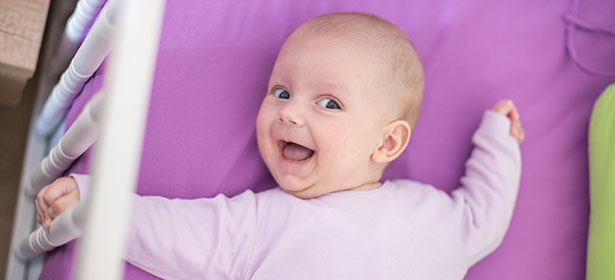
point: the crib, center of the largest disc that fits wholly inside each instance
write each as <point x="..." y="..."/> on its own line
<point x="552" y="58"/>
<point x="134" y="57"/>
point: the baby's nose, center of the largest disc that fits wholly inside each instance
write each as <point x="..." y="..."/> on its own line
<point x="291" y="115"/>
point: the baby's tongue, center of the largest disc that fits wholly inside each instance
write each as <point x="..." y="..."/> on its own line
<point x="292" y="151"/>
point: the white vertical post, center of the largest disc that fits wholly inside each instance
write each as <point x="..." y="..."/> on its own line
<point x="116" y="160"/>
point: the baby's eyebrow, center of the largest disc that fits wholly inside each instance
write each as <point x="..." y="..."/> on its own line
<point x="333" y="87"/>
<point x="279" y="80"/>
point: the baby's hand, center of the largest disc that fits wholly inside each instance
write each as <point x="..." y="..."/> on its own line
<point x="54" y="198"/>
<point x="508" y="109"/>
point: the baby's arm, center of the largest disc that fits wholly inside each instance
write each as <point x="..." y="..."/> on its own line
<point x="175" y="238"/>
<point x="485" y="201"/>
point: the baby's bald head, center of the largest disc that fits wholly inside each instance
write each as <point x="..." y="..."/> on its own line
<point x="343" y="96"/>
<point x="405" y="78"/>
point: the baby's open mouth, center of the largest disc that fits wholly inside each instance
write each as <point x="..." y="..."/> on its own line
<point x="295" y="152"/>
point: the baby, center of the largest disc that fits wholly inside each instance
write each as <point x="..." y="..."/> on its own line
<point x="343" y="98"/>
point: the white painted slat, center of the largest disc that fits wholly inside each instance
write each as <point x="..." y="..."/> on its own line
<point x="118" y="151"/>
<point x="88" y="58"/>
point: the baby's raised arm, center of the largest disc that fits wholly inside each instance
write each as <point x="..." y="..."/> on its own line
<point x="484" y="203"/>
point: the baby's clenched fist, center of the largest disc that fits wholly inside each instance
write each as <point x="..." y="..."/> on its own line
<point x="54" y="199"/>
<point x="508" y="109"/>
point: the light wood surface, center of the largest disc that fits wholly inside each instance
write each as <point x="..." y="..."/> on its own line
<point x="22" y="23"/>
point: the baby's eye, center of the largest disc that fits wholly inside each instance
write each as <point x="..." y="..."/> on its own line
<point x="329" y="104"/>
<point x="281" y="93"/>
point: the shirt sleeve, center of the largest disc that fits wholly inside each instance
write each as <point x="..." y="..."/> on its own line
<point x="189" y="239"/>
<point x="485" y="201"/>
<point x="83" y="184"/>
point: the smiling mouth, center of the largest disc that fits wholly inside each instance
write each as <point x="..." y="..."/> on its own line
<point x="294" y="152"/>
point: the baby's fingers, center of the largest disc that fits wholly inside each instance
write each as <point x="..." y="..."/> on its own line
<point x="522" y="135"/>
<point x="40" y="205"/>
<point x="57" y="189"/>
<point x="507" y="108"/>
<point x="58" y="207"/>
<point x="49" y="195"/>
<point x="61" y="204"/>
<point x="513" y="114"/>
<point x="517" y="131"/>
<point x="503" y="107"/>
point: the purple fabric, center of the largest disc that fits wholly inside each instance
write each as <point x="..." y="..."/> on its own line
<point x="215" y="58"/>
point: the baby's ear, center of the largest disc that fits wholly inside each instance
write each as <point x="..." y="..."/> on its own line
<point x="393" y="143"/>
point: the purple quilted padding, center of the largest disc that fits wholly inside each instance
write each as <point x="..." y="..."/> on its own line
<point x="212" y="71"/>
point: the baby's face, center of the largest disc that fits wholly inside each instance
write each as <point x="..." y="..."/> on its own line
<point x="323" y="116"/>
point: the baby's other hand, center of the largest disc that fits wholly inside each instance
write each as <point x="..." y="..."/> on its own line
<point x="508" y="109"/>
<point x="54" y="199"/>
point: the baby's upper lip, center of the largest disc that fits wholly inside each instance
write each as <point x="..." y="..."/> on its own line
<point x="283" y="136"/>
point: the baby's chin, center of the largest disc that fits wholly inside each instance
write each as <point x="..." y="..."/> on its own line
<point x="301" y="191"/>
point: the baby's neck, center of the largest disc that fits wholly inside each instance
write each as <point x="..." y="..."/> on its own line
<point x="324" y="191"/>
<point x="367" y="187"/>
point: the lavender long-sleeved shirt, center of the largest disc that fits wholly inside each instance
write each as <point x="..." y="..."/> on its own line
<point x="403" y="230"/>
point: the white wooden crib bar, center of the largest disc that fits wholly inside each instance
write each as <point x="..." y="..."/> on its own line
<point x="88" y="58"/>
